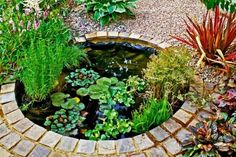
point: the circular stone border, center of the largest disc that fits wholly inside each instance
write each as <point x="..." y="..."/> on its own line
<point x="21" y="137"/>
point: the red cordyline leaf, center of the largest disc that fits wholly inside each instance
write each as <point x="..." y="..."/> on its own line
<point x="215" y="32"/>
<point x="231" y="57"/>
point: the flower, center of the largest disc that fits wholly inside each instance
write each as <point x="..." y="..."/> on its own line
<point x="36" y="24"/>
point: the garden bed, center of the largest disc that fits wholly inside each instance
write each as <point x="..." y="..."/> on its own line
<point x="170" y="133"/>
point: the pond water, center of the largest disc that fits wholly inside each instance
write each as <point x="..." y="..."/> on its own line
<point x="118" y="59"/>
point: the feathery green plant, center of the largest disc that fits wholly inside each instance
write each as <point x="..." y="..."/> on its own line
<point x="169" y="72"/>
<point x="43" y="63"/>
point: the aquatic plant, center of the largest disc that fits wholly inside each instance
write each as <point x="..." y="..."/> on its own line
<point x="82" y="77"/>
<point x="62" y="100"/>
<point x="151" y="113"/>
<point x="108" y="91"/>
<point x="109" y="127"/>
<point x="64" y="121"/>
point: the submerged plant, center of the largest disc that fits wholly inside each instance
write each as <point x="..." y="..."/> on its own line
<point x="151" y="113"/>
<point x="64" y="121"/>
<point x="108" y="91"/>
<point x="213" y="137"/>
<point x="109" y="127"/>
<point x="169" y="73"/>
<point x="82" y="77"/>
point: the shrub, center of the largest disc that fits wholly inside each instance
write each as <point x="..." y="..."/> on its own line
<point x="227" y="5"/>
<point x="169" y="73"/>
<point x="106" y="10"/>
<point x="215" y="136"/>
<point x="213" y="38"/>
<point x="152" y="113"/>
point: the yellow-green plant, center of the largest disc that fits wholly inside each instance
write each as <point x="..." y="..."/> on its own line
<point x="169" y="73"/>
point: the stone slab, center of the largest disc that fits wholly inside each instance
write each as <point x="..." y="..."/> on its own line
<point x="172" y="146"/>
<point x="143" y="141"/>
<point x="10" y="140"/>
<point x="183" y="135"/>
<point x="35" y="132"/>
<point x="4" y="153"/>
<point x="56" y="154"/>
<point x="134" y="36"/>
<point x="125" y="145"/>
<point x="7" y="88"/>
<point x="67" y="144"/>
<point x="183" y="116"/>
<point x="23" y="125"/>
<point x="14" y="116"/>
<point x="9" y="107"/>
<point x="123" y="35"/>
<point x="23" y="148"/>
<point x="190" y="107"/>
<point x="113" y="34"/>
<point x="7" y="97"/>
<point x="106" y="147"/>
<point x="40" y="151"/>
<point x="101" y="34"/>
<point x="86" y="147"/>
<point x="156" y="152"/>
<point x="159" y="133"/>
<point x="171" y="125"/>
<point x="203" y="115"/>
<point x="4" y="130"/>
<point x="50" y="139"/>
<point x="138" y="155"/>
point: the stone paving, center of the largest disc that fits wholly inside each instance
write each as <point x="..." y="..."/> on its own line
<point x="21" y="137"/>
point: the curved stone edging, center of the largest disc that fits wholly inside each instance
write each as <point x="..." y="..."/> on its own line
<point x="21" y="137"/>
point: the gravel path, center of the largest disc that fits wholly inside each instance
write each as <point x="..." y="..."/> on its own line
<point x="154" y="18"/>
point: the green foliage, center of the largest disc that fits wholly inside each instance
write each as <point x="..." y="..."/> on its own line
<point x="213" y="137"/>
<point x="64" y="121"/>
<point x="44" y="59"/>
<point x="136" y="84"/>
<point x="19" y="21"/>
<point x="82" y="77"/>
<point x="152" y="113"/>
<point x="62" y="100"/>
<point x="108" y="91"/>
<point x="169" y="72"/>
<point x="109" y="127"/>
<point x="106" y="10"/>
<point x="227" y="5"/>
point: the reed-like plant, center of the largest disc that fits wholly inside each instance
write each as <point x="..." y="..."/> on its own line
<point x="42" y="65"/>
<point x="152" y="113"/>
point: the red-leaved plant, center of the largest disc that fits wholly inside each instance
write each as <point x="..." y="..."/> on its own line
<point x="214" y="38"/>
